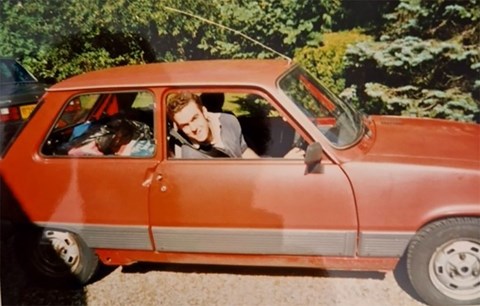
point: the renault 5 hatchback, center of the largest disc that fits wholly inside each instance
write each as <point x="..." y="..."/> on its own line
<point x="107" y="182"/>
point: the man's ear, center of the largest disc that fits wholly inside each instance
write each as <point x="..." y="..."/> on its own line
<point x="205" y="112"/>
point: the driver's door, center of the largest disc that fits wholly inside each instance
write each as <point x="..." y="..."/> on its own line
<point x="253" y="206"/>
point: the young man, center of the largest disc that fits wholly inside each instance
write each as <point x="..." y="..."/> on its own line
<point x="206" y="130"/>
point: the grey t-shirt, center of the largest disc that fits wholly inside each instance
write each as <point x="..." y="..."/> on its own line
<point x="232" y="138"/>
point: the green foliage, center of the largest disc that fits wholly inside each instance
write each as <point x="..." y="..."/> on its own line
<point x="327" y="61"/>
<point x="57" y="38"/>
<point x="365" y="14"/>
<point x="284" y="25"/>
<point x="411" y="60"/>
<point x="425" y="62"/>
<point x="252" y="106"/>
<point x="438" y="19"/>
<point x="414" y="101"/>
<point x="424" y="65"/>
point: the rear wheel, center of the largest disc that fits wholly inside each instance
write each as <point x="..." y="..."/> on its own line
<point x="56" y="255"/>
<point x="443" y="262"/>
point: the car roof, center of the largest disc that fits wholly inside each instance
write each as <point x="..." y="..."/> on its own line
<point x="204" y="72"/>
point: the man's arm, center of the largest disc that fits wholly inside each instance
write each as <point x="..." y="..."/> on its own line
<point x="295" y="153"/>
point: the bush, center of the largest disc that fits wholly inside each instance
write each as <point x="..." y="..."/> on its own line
<point x="327" y="61"/>
<point x="426" y="63"/>
<point x="414" y="77"/>
<point x="413" y="101"/>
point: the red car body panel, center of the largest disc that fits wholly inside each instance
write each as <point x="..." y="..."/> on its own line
<point x="425" y="141"/>
<point x="414" y="164"/>
<point x="247" y="73"/>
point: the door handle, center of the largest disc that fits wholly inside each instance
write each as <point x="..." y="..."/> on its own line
<point x="149" y="175"/>
<point x="148" y="181"/>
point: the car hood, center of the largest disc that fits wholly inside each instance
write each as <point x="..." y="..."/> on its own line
<point x="20" y="93"/>
<point x="426" y="141"/>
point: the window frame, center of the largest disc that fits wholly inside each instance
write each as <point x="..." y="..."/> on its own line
<point x="100" y="105"/>
<point x="262" y="93"/>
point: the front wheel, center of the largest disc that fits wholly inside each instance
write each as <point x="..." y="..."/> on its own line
<point x="59" y="256"/>
<point x="443" y="262"/>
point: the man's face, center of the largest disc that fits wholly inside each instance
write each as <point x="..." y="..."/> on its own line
<point x="191" y="120"/>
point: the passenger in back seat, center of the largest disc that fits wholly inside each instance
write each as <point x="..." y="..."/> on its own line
<point x="210" y="133"/>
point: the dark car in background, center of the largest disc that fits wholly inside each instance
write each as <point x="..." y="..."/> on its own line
<point x="19" y="93"/>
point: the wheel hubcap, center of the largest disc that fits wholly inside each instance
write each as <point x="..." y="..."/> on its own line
<point x="58" y="253"/>
<point x="455" y="269"/>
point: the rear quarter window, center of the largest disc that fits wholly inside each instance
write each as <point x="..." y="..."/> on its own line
<point x="104" y="124"/>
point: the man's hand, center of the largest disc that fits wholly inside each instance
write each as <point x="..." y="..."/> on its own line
<point x="295" y="153"/>
<point x="249" y="153"/>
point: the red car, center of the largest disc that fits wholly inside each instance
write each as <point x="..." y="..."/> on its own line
<point x="108" y="182"/>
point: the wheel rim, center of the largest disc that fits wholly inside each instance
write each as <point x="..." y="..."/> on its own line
<point x="455" y="269"/>
<point x="57" y="254"/>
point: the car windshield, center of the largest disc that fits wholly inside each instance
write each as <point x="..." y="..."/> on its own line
<point x="337" y="120"/>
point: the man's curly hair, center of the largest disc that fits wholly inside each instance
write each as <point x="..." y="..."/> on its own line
<point x="176" y="102"/>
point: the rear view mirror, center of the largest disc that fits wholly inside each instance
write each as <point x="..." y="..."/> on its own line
<point x="313" y="157"/>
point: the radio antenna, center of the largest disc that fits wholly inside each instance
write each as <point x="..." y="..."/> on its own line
<point x="229" y="29"/>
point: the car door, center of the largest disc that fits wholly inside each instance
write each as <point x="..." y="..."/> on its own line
<point x="267" y="205"/>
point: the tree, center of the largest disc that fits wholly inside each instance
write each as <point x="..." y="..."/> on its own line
<point x="426" y="64"/>
<point x="424" y="61"/>
<point x="57" y="39"/>
<point x="364" y="14"/>
<point x="326" y="61"/>
<point x="283" y="25"/>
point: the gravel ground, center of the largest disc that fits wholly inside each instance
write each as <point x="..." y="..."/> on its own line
<point x="158" y="284"/>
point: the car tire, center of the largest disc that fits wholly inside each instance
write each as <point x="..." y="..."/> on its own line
<point x="443" y="262"/>
<point x="58" y="256"/>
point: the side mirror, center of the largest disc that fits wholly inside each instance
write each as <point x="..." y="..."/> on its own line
<point x="313" y="157"/>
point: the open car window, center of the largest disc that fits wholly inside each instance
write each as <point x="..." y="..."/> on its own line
<point x="264" y="130"/>
<point x="104" y="124"/>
